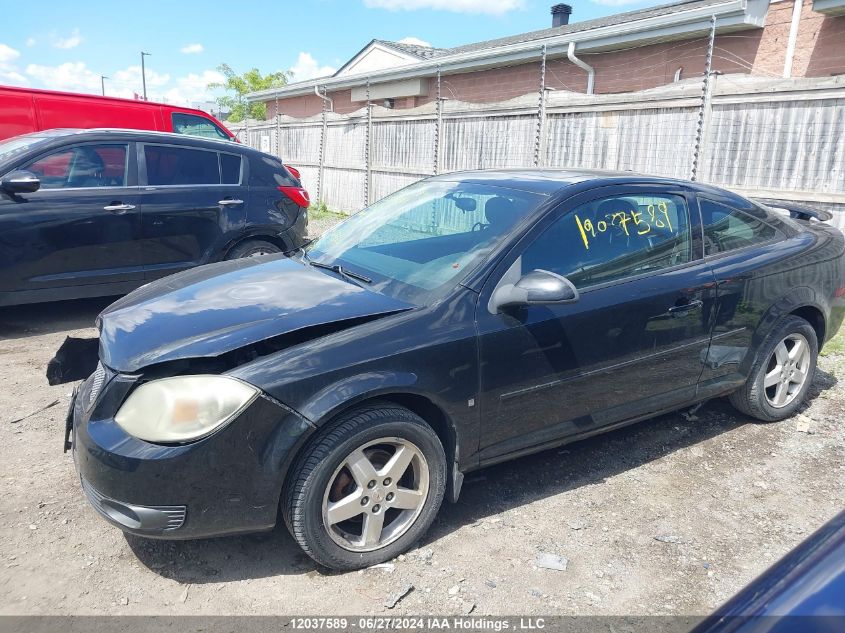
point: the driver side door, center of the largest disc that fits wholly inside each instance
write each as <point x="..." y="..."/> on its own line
<point x="80" y="228"/>
<point x="630" y="346"/>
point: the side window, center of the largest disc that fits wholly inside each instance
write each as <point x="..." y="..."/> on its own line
<point x="193" y="125"/>
<point x="727" y="229"/>
<point x="268" y="171"/>
<point x="230" y="169"/>
<point x="613" y="238"/>
<point x="167" y="165"/>
<point x="82" y="166"/>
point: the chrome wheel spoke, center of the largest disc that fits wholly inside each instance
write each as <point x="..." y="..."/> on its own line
<point x="373" y="525"/>
<point x="781" y="394"/>
<point x="773" y="377"/>
<point x="798" y="377"/>
<point x="398" y="464"/>
<point x="782" y="354"/>
<point x="346" y="508"/>
<point x="362" y="469"/>
<point x="406" y="499"/>
<point x="797" y="350"/>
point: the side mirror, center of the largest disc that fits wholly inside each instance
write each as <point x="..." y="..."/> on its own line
<point x="20" y="181"/>
<point x="539" y="287"/>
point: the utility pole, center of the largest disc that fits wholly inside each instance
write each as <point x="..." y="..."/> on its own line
<point x="144" y="73"/>
<point x="103" y="84"/>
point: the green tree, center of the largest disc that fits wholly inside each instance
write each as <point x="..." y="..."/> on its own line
<point x="251" y="81"/>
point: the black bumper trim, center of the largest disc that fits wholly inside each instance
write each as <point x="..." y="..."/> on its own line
<point x="135" y="518"/>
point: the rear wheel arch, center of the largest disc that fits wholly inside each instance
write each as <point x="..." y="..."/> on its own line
<point x="263" y="237"/>
<point x="799" y="301"/>
<point x="815" y="317"/>
<point x="778" y="382"/>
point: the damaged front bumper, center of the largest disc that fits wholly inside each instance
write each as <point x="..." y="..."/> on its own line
<point x="226" y="483"/>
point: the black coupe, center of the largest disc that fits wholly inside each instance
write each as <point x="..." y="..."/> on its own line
<point x="467" y="319"/>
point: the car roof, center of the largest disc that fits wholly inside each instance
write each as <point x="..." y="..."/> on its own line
<point x="141" y="103"/>
<point x="549" y="181"/>
<point x="61" y="135"/>
<point x="48" y="140"/>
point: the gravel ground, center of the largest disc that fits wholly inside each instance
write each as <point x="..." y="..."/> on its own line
<point x="670" y="516"/>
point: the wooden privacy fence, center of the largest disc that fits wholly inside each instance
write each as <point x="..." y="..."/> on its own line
<point x="774" y="138"/>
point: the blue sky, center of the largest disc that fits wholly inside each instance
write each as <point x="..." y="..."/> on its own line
<point x="68" y="45"/>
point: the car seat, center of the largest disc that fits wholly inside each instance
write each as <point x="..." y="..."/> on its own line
<point x="499" y="213"/>
<point x="87" y="169"/>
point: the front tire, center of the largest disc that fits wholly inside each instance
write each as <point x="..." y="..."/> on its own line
<point x="367" y="488"/>
<point x="781" y="374"/>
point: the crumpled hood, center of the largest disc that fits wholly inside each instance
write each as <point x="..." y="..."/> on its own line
<point x="210" y="310"/>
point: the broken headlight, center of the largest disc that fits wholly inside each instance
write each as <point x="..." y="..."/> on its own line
<point x="183" y="408"/>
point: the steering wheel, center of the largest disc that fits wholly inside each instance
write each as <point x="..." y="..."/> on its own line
<point x="478" y="226"/>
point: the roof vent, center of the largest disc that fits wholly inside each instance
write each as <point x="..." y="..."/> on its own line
<point x="560" y="14"/>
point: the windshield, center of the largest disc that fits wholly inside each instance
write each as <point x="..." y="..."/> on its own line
<point x="421" y="241"/>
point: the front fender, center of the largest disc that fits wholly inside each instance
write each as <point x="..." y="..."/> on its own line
<point x="397" y="387"/>
<point x="349" y="391"/>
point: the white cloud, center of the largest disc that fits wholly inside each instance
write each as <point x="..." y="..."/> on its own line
<point x="8" y="54"/>
<point x="73" y="41"/>
<point x="30" y="41"/>
<point x="126" y="81"/>
<point x="192" y="88"/>
<point x="414" y="41"/>
<point x="495" y="7"/>
<point x="77" y="77"/>
<point x="70" y="76"/>
<point x="8" y="70"/>
<point x="306" y="67"/>
<point x="192" y="49"/>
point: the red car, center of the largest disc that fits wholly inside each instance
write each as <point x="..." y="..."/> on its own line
<point x="25" y="110"/>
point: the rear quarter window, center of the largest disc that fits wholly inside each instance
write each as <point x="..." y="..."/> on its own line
<point x="230" y="169"/>
<point x="728" y="229"/>
<point x="266" y="171"/>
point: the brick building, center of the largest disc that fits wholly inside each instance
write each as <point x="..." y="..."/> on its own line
<point x="625" y="52"/>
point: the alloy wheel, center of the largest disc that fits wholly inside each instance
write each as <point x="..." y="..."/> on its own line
<point x="787" y="370"/>
<point x="376" y="494"/>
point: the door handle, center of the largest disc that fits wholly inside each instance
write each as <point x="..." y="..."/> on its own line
<point x="226" y="202"/>
<point x="683" y="309"/>
<point x="119" y="207"/>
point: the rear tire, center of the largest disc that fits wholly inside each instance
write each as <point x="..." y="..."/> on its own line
<point x="253" y="248"/>
<point x="367" y="488"/>
<point x="782" y="373"/>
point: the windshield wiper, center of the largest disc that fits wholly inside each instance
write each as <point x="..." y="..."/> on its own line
<point x="302" y="252"/>
<point x="340" y="270"/>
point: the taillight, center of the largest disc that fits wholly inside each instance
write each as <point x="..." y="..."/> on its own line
<point x="840" y="293"/>
<point x="297" y="194"/>
<point x="294" y="171"/>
